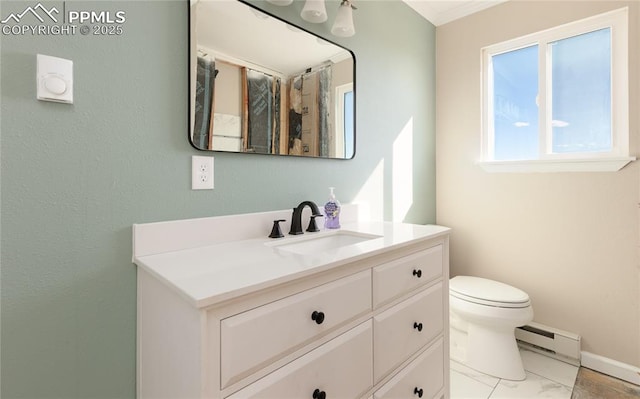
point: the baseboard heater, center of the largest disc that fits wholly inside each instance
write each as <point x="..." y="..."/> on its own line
<point x="550" y="341"/>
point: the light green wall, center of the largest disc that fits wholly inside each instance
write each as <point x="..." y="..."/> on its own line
<point x="75" y="178"/>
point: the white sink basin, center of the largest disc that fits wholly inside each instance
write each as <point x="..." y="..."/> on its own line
<point x="310" y="244"/>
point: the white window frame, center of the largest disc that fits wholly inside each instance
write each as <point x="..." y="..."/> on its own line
<point x="339" y="136"/>
<point x="613" y="160"/>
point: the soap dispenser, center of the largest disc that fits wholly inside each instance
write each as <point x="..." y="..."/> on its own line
<point x="332" y="212"/>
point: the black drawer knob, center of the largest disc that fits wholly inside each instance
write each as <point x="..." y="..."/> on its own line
<point x="317" y="316"/>
<point x="418" y="392"/>
<point x="417" y="326"/>
<point x="318" y="394"/>
<point x="417" y="273"/>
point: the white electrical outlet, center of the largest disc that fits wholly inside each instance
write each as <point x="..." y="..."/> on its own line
<point x="201" y="173"/>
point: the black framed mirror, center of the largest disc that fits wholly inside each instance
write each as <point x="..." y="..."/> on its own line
<point x="259" y="84"/>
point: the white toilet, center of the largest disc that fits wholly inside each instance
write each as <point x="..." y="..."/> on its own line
<point x="484" y="314"/>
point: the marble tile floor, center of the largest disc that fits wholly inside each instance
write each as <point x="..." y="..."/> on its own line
<point x="546" y="378"/>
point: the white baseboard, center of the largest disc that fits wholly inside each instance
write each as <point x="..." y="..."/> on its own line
<point x="611" y="367"/>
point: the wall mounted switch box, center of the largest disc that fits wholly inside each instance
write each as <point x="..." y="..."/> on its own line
<point x="55" y="79"/>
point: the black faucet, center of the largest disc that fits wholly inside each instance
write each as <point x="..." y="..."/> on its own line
<point x="296" y="218"/>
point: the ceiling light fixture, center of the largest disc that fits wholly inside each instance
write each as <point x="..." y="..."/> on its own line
<point x="314" y="11"/>
<point x="343" y="25"/>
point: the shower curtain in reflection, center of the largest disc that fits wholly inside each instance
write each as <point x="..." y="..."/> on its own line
<point x="324" y="101"/>
<point x="205" y="83"/>
<point x="263" y="112"/>
<point x="309" y="112"/>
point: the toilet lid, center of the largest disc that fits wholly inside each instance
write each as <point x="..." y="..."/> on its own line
<point x="487" y="292"/>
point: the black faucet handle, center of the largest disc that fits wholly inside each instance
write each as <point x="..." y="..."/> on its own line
<point x="275" y="231"/>
<point x="313" y="227"/>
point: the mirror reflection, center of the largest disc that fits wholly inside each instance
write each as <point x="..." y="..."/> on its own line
<point x="261" y="85"/>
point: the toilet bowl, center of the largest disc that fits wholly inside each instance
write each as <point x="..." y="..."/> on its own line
<point x="484" y="314"/>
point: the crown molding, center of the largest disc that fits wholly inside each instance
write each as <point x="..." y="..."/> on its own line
<point x="441" y="12"/>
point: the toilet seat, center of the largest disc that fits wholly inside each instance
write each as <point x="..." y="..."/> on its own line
<point x="487" y="292"/>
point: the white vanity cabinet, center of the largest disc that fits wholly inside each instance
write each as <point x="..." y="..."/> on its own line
<point x="369" y="327"/>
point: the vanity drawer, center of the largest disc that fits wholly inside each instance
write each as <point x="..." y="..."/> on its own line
<point x="341" y="368"/>
<point x="403" y="329"/>
<point x="256" y="338"/>
<point x="395" y="278"/>
<point x="424" y="377"/>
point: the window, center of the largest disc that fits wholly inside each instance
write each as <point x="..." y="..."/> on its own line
<point x="557" y="100"/>
<point x="345" y="145"/>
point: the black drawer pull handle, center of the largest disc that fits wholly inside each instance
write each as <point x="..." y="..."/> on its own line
<point x="318" y="394"/>
<point x="417" y="326"/>
<point x="417" y="273"/>
<point x="418" y="392"/>
<point x="317" y="316"/>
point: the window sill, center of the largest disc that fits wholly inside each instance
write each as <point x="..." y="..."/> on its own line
<point x="556" y="165"/>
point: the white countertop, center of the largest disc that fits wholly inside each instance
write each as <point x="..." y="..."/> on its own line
<point x="209" y="274"/>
